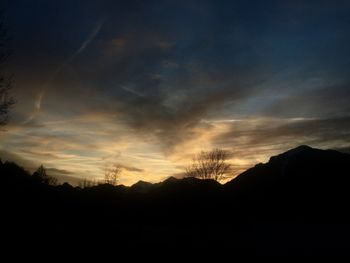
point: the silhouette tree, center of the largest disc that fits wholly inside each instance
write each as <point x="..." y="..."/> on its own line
<point x="112" y="174"/>
<point x="41" y="175"/>
<point x="210" y="165"/>
<point x="6" y="101"/>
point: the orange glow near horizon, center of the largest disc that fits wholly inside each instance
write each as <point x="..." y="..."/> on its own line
<point x="83" y="146"/>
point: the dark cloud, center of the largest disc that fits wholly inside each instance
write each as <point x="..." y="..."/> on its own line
<point x="131" y="168"/>
<point x="60" y="171"/>
<point x="287" y="132"/>
<point x="328" y="100"/>
<point x="196" y="76"/>
<point x="162" y="69"/>
<point x="40" y="154"/>
<point x="181" y="95"/>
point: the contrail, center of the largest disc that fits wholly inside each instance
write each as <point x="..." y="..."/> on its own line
<point x="89" y="39"/>
<point x="83" y="46"/>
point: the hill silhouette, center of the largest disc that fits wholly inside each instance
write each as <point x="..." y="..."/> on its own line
<point x="303" y="182"/>
<point x="294" y="204"/>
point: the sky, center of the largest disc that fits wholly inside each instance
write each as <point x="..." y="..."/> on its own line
<point x="148" y="84"/>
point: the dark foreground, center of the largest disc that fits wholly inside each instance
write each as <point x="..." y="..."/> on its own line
<point x="296" y="204"/>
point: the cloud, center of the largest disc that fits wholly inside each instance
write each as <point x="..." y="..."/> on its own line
<point x="58" y="171"/>
<point x="132" y="168"/>
<point x="37" y="107"/>
<point x="39" y="155"/>
<point x="59" y="69"/>
<point x="13" y="157"/>
<point x="168" y="108"/>
<point x="272" y="135"/>
<point x="156" y="82"/>
<point x="61" y="175"/>
<point x="324" y="100"/>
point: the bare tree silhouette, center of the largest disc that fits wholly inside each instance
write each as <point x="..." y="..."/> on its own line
<point x="112" y="174"/>
<point x="41" y="175"/>
<point x="210" y="165"/>
<point x="6" y="101"/>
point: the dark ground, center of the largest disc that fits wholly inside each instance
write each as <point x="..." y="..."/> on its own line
<point x="296" y="204"/>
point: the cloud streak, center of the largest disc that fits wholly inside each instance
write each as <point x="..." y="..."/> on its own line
<point x="83" y="46"/>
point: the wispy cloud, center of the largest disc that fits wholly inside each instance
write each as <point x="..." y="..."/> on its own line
<point x="83" y="46"/>
<point x="159" y="82"/>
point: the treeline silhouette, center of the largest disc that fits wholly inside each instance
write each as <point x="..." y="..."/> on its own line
<point x="6" y="100"/>
<point x="297" y="203"/>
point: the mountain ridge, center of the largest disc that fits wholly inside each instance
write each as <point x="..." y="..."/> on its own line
<point x="271" y="207"/>
<point x="285" y="157"/>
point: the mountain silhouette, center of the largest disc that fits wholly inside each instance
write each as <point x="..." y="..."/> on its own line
<point x="301" y="163"/>
<point x="296" y="203"/>
<point x="142" y="187"/>
<point x="304" y="181"/>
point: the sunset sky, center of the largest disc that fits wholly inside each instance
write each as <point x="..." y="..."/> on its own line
<point x="147" y="84"/>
